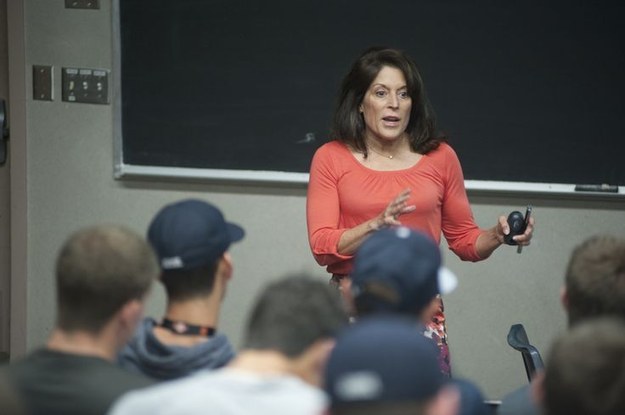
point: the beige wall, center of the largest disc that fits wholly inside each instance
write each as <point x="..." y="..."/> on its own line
<point x="5" y="268"/>
<point x="62" y="178"/>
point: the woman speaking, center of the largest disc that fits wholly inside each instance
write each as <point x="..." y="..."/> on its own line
<point x="387" y="165"/>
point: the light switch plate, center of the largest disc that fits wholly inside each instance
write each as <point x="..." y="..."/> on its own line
<point x="85" y="85"/>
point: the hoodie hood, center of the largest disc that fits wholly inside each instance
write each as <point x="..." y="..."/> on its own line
<point x="145" y="354"/>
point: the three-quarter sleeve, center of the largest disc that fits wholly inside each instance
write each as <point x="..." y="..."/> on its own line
<point x="458" y="224"/>
<point x="323" y="209"/>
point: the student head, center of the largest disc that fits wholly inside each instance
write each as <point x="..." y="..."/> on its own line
<point x="191" y="239"/>
<point x="595" y="279"/>
<point x="294" y="316"/>
<point x="472" y="400"/>
<point x="399" y="270"/>
<point x="101" y="270"/>
<point x="381" y="365"/>
<point x="585" y="371"/>
<point x="349" y="124"/>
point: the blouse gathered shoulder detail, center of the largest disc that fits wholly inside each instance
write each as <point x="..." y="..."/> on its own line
<point x="343" y="193"/>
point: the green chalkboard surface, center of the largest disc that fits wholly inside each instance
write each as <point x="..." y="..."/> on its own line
<point x="529" y="91"/>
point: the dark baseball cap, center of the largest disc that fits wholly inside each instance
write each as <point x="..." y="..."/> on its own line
<point x="381" y="359"/>
<point x="191" y="233"/>
<point x="399" y="269"/>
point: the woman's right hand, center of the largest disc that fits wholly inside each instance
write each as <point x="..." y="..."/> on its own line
<point x="396" y="208"/>
<point x="352" y="238"/>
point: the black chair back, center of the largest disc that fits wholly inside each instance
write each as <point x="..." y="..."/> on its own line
<point x="517" y="339"/>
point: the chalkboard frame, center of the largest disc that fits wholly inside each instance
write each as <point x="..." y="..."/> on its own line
<point x="124" y="170"/>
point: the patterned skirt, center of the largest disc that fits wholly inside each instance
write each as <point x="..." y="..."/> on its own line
<point x="437" y="331"/>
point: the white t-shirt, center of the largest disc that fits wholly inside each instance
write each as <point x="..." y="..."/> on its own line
<point x="225" y="392"/>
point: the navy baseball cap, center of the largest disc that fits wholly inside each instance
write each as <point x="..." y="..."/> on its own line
<point x="191" y="233"/>
<point x="382" y="359"/>
<point x="472" y="400"/>
<point x="399" y="270"/>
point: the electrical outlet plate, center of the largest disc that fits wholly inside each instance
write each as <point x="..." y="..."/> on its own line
<point x="85" y="85"/>
<point x="42" y="83"/>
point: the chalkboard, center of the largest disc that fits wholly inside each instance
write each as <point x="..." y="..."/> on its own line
<point x="529" y="92"/>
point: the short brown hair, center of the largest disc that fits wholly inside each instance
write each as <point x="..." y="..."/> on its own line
<point x="292" y="313"/>
<point x="98" y="270"/>
<point x="595" y="279"/>
<point x="186" y="284"/>
<point x="585" y="372"/>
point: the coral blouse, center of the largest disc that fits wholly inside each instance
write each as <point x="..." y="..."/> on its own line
<point x="343" y="193"/>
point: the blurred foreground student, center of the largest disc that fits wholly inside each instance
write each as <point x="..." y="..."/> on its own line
<point x="594" y="286"/>
<point x="400" y="271"/>
<point x="383" y="366"/>
<point x="102" y="276"/>
<point x="585" y="371"/>
<point x="289" y="333"/>
<point x="191" y="239"/>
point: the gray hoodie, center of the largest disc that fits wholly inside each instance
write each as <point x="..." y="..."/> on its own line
<point x="145" y="354"/>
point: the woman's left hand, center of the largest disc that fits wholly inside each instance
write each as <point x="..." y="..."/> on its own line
<point x="503" y="229"/>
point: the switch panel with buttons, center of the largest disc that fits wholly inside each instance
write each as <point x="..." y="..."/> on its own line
<point x="85" y="85"/>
